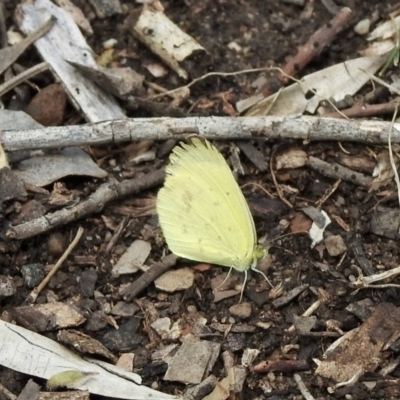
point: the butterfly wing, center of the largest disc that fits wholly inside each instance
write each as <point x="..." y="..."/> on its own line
<point x="202" y="211"/>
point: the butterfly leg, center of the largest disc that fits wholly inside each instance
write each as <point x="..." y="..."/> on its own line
<point x="226" y="278"/>
<point x="243" y="286"/>
<point x="253" y="268"/>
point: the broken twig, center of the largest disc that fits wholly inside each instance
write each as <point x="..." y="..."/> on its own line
<point x="35" y="292"/>
<point x="95" y="203"/>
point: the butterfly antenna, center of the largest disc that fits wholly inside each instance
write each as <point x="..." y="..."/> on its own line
<point x="244" y="285"/>
<point x="253" y="268"/>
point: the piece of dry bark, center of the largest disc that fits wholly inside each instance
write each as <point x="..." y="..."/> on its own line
<point x="289" y="296"/>
<point x="77" y="15"/>
<point x="11" y="186"/>
<point x="132" y="259"/>
<point x="232" y="385"/>
<point x="355" y="246"/>
<point x="66" y="42"/>
<point x="201" y="390"/>
<point x="30" y="391"/>
<point x="176" y="48"/>
<point x="331" y="85"/>
<point x="121" y="82"/>
<point x="386" y="223"/>
<point x="43" y="170"/>
<point x="192" y="361"/>
<point x="362" y="347"/>
<point x="47" y="317"/>
<point x="254" y="155"/>
<point x="84" y="344"/>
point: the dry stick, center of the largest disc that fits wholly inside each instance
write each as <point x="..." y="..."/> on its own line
<point x="269" y="128"/>
<point x="328" y="194"/>
<point x="337" y="171"/>
<point x="383" y="83"/>
<point x="95" y="203"/>
<point x="316" y="43"/>
<point x="10" y="54"/>
<point x="118" y="232"/>
<point x="131" y="291"/>
<point x="24" y="76"/>
<point x="35" y="292"/>
<point x="280" y="365"/>
<point x="310" y="311"/>
<point x="364" y="110"/>
<point x="303" y="388"/>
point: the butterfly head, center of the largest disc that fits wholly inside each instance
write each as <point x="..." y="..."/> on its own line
<point x="259" y="253"/>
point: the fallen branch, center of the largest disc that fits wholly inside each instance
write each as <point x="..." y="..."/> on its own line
<point x="365" y="110"/>
<point x="270" y="128"/>
<point x="95" y="203"/>
<point x="337" y="171"/>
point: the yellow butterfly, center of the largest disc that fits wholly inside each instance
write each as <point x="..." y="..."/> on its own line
<point x="202" y="211"/>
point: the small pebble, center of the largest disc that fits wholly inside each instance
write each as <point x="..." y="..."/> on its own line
<point x="123" y="309"/>
<point x="235" y="47"/>
<point x="241" y="310"/>
<point x="335" y="245"/>
<point x="110" y="43"/>
<point x="174" y="280"/>
<point x="362" y="28"/>
<point x="191" y="309"/>
<point x="125" y="361"/>
<point x="7" y="286"/>
<point x="125" y="338"/>
<point x="56" y="244"/>
<point x="33" y="274"/>
<point x="87" y="283"/>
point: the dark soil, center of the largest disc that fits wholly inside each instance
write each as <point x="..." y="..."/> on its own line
<point x="268" y="32"/>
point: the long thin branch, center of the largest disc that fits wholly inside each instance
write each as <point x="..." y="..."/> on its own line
<point x="95" y="203"/>
<point x="271" y="128"/>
